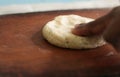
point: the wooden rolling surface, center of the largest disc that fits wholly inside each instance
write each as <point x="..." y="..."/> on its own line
<point x="25" y="53"/>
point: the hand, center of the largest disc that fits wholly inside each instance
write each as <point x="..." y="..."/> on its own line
<point x="108" y="26"/>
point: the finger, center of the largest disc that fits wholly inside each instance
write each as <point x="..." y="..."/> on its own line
<point x="96" y="27"/>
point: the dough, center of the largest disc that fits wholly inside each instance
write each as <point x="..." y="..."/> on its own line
<point x="58" y="33"/>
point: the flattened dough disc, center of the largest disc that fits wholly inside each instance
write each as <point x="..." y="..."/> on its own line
<point x="58" y="33"/>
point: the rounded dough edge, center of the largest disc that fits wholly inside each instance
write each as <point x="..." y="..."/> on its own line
<point x="58" y="33"/>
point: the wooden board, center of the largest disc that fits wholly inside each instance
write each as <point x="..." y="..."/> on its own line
<point x="25" y="53"/>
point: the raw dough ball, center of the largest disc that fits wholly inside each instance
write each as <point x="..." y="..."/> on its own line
<point x="58" y="33"/>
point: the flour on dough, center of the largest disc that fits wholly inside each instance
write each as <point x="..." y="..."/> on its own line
<point x="58" y="33"/>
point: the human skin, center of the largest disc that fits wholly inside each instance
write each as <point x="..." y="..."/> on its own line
<point x="107" y="25"/>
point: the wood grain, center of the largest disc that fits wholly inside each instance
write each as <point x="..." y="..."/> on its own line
<point x="25" y="53"/>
